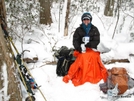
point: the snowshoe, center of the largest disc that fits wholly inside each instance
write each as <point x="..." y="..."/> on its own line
<point x="30" y="98"/>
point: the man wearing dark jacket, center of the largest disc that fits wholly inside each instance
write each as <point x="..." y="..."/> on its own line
<point x="87" y="34"/>
<point x="88" y="66"/>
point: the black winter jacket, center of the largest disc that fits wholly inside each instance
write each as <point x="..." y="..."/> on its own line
<point x="80" y="33"/>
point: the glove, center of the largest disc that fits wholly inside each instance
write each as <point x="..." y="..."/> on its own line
<point x="76" y="53"/>
<point x="66" y="78"/>
<point x="88" y="45"/>
<point x="79" y="49"/>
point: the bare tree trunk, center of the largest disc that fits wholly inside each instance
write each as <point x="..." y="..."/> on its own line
<point x="118" y="15"/>
<point x="67" y="18"/>
<point x="109" y="7"/>
<point x="2" y="12"/>
<point x="13" y="84"/>
<point x="59" y="16"/>
<point x="7" y="66"/>
<point x="1" y="64"/>
<point x="45" y="14"/>
<point x="2" y="9"/>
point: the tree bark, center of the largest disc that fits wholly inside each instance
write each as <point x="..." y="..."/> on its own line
<point x="67" y="18"/>
<point x="7" y="66"/>
<point x="7" y="63"/>
<point x="109" y="7"/>
<point x="45" y="14"/>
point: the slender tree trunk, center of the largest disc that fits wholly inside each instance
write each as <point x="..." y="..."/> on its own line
<point x="109" y="7"/>
<point x="45" y="14"/>
<point x="118" y="16"/>
<point x="59" y="16"/>
<point x="67" y="18"/>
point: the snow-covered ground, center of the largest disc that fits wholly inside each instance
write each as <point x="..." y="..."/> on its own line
<point x="52" y="86"/>
<point x="54" y="89"/>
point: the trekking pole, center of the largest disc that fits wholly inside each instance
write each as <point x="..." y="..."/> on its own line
<point x="28" y="70"/>
<point x="22" y="78"/>
<point x="23" y="81"/>
<point x="20" y="73"/>
<point x="36" y="83"/>
<point x="10" y="40"/>
<point x="13" y="44"/>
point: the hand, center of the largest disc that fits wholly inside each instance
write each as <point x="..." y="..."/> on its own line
<point x="87" y="45"/>
<point x="66" y="78"/>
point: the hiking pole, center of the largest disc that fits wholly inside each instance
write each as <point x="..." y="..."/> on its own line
<point x="23" y="81"/>
<point x="19" y="60"/>
<point x="22" y="78"/>
<point x="19" y="71"/>
<point x="26" y="66"/>
<point x="28" y="70"/>
<point x="13" y="44"/>
<point x="36" y="83"/>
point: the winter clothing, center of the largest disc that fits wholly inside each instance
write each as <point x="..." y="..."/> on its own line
<point x="76" y="53"/>
<point x="80" y="33"/>
<point x="86" y="16"/>
<point x="86" y="68"/>
<point x="86" y="28"/>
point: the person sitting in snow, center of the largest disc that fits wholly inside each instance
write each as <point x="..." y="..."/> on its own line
<point x="87" y="34"/>
<point x="87" y="66"/>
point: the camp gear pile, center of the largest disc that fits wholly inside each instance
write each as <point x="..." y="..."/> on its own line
<point x="65" y="59"/>
<point x="117" y="76"/>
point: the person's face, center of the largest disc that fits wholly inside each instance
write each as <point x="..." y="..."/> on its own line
<point x="86" y="21"/>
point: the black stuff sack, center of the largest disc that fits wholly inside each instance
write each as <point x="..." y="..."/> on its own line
<point x="65" y="59"/>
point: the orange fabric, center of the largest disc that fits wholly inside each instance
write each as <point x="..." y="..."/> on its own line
<point x="76" y="53"/>
<point x="86" y="68"/>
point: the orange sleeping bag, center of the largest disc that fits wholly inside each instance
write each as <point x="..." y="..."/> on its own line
<point x="86" y="68"/>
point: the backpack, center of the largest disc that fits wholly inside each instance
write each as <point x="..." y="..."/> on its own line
<point x="116" y="77"/>
<point x="65" y="59"/>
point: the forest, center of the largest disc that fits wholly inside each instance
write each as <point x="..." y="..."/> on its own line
<point x="48" y="22"/>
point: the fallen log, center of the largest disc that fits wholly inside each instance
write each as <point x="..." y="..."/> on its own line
<point x="116" y="60"/>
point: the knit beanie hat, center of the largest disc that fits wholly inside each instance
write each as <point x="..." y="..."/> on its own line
<point x="86" y="16"/>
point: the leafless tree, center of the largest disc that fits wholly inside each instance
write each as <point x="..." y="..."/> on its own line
<point x="109" y="8"/>
<point x="67" y="18"/>
<point x="45" y="15"/>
